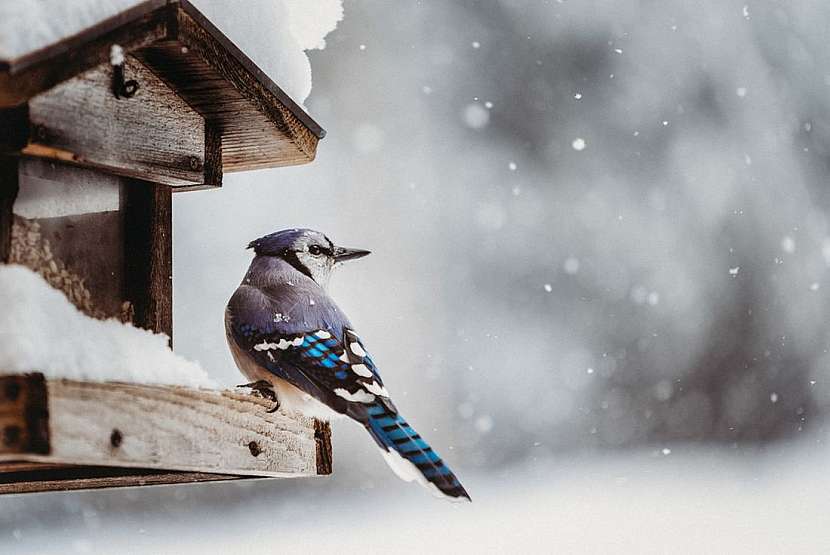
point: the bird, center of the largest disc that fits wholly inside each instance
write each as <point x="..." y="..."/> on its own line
<point x="298" y="348"/>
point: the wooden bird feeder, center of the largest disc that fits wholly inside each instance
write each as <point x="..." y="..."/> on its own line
<point x="96" y="134"/>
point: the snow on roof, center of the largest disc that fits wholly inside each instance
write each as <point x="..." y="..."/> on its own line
<point x="274" y="33"/>
<point x="41" y="331"/>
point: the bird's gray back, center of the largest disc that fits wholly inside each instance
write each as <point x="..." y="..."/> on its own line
<point x="276" y="298"/>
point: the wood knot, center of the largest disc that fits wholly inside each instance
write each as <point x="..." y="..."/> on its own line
<point x="255" y="449"/>
<point x="116" y="438"/>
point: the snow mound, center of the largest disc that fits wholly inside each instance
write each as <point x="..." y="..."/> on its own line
<point x="41" y="331"/>
<point x="29" y="25"/>
<point x="310" y="22"/>
<point x="274" y="34"/>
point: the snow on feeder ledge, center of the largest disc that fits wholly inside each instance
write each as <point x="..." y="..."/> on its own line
<point x="97" y="131"/>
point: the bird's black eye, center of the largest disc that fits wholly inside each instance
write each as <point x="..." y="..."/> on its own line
<point x="315" y="250"/>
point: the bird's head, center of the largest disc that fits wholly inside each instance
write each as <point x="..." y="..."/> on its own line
<point x="308" y="251"/>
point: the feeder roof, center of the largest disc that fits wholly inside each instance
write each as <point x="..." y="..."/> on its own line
<point x="259" y="125"/>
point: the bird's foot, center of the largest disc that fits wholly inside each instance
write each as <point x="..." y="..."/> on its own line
<point x="265" y="390"/>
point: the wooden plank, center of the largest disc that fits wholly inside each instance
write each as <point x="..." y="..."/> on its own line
<point x="150" y="429"/>
<point x="8" y="192"/>
<point x="154" y="135"/>
<point x="41" y="477"/>
<point x="148" y="247"/>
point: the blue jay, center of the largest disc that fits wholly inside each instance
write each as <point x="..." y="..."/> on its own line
<point x="298" y="348"/>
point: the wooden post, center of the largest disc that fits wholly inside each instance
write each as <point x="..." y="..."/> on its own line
<point x="148" y="255"/>
<point x="8" y="192"/>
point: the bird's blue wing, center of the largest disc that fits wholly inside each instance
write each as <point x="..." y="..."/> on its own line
<point x="301" y="336"/>
<point x="337" y="371"/>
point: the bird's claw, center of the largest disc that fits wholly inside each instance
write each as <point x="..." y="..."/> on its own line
<point x="265" y="390"/>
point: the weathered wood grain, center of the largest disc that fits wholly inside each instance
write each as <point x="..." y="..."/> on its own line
<point x="153" y="136"/>
<point x="261" y="126"/>
<point x="175" y="429"/>
<point x="106" y="434"/>
<point x="213" y="155"/>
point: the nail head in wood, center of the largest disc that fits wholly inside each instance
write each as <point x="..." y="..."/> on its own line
<point x="40" y="132"/>
<point x="116" y="438"/>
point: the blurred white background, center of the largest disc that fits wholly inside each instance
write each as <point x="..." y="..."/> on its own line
<point x="599" y="286"/>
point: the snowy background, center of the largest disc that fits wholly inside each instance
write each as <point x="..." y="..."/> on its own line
<point x="598" y="286"/>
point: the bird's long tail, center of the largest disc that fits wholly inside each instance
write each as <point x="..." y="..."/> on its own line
<point x="409" y="456"/>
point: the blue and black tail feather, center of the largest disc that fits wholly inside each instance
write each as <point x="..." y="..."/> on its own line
<point x="392" y="432"/>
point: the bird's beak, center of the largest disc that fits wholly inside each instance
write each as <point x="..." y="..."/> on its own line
<point x="342" y="254"/>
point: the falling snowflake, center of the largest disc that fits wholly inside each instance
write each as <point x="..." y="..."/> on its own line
<point x="571" y="265"/>
<point x="475" y="116"/>
<point x="484" y="424"/>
